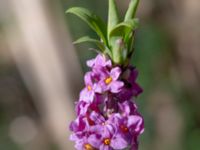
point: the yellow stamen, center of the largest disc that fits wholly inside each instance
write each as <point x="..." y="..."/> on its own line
<point x="88" y="147"/>
<point x="108" y="80"/>
<point x="89" y="88"/>
<point x="107" y="141"/>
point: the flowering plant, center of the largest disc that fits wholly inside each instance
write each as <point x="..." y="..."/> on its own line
<point x="107" y="116"/>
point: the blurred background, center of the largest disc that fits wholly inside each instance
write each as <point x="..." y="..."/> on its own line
<point x="41" y="72"/>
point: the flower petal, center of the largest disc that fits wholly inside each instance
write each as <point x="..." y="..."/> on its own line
<point x="88" y="79"/>
<point x="90" y="63"/>
<point x="115" y="72"/>
<point x="118" y="142"/>
<point x="87" y="96"/>
<point x="116" y="86"/>
<point x="94" y="140"/>
<point x="136" y="122"/>
<point x="105" y="147"/>
<point x="133" y="75"/>
<point x="97" y="118"/>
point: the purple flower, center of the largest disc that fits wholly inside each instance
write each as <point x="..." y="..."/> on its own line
<point x="130" y="116"/>
<point x="97" y="118"/>
<point x="135" y="88"/>
<point x="81" y="107"/>
<point x="109" y="139"/>
<point x="99" y="62"/>
<point x="106" y="118"/>
<point x="109" y="80"/>
<point x="127" y="129"/>
<point x="83" y="143"/>
<point x="127" y="108"/>
<point x="79" y="125"/>
<point x="131" y="88"/>
<point x="88" y="93"/>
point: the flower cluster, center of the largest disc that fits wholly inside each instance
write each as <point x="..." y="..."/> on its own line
<point x="107" y="118"/>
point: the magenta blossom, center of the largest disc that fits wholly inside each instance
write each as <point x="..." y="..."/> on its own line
<point x="99" y="62"/>
<point x="110" y="80"/>
<point x="107" y="119"/>
<point x="109" y="139"/>
<point x="88" y="93"/>
<point x="131" y="88"/>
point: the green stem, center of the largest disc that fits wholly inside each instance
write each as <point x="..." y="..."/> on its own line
<point x="131" y="10"/>
<point x="113" y="18"/>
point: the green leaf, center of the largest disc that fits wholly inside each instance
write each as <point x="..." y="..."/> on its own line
<point x="113" y="18"/>
<point x="124" y="29"/>
<point x="92" y="20"/>
<point x="88" y="39"/>
<point x="130" y="14"/>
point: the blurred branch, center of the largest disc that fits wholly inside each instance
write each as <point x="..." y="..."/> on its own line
<point x="40" y="55"/>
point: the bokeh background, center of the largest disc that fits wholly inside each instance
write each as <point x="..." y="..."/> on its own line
<point x="41" y="72"/>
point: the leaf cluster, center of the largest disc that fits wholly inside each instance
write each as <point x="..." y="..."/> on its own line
<point x="117" y="36"/>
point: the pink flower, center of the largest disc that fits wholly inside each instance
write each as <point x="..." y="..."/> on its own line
<point x="88" y="93"/>
<point x="110" y="80"/>
<point x="106" y="117"/>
